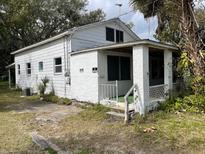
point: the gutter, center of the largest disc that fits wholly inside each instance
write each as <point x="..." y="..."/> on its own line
<point x="128" y="44"/>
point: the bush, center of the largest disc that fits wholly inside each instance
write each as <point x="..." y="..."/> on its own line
<point x="191" y="103"/>
<point x="56" y="99"/>
<point x="42" y="86"/>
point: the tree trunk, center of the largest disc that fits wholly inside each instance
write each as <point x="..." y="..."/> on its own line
<point x="192" y="42"/>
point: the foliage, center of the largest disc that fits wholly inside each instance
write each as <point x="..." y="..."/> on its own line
<point x="180" y="25"/>
<point x="55" y="99"/>
<point x="24" y="22"/>
<point x="42" y="86"/>
<point x="191" y="103"/>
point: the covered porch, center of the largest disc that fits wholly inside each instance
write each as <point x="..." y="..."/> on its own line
<point x="139" y="73"/>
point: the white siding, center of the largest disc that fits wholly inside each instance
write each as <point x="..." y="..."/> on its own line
<point x="84" y="84"/>
<point x="95" y="36"/>
<point x="123" y="86"/>
<point x="46" y="54"/>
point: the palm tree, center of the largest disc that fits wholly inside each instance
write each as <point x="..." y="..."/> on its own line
<point x="180" y="12"/>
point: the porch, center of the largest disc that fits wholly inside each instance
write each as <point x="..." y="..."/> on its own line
<point x="143" y="73"/>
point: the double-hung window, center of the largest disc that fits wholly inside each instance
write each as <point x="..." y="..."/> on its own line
<point x="119" y="36"/>
<point x="19" y="69"/>
<point x="110" y="34"/>
<point x="28" y="68"/>
<point x="40" y="66"/>
<point x="58" y="65"/>
<point x="114" y="35"/>
<point x="118" y="68"/>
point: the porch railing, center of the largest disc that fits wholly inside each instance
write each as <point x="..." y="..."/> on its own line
<point x="109" y="91"/>
<point x="157" y="92"/>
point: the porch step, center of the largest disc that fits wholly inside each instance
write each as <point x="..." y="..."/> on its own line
<point x="115" y="114"/>
<point x="120" y="115"/>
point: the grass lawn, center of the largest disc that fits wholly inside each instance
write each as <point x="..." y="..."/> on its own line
<point x="92" y="131"/>
<point x="14" y="137"/>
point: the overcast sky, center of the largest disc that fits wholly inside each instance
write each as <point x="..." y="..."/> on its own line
<point x="141" y="26"/>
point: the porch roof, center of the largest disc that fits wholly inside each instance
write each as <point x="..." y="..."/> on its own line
<point x="10" y="66"/>
<point x="146" y="42"/>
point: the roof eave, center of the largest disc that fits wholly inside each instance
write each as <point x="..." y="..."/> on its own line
<point x="130" y="44"/>
<point x="42" y="42"/>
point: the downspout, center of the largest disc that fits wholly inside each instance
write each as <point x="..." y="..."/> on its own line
<point x="67" y="61"/>
<point x="64" y="66"/>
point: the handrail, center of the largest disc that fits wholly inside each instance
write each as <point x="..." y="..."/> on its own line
<point x="127" y="103"/>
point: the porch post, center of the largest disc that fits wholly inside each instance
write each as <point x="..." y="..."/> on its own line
<point x="141" y="77"/>
<point x="9" y="71"/>
<point x="168" y="73"/>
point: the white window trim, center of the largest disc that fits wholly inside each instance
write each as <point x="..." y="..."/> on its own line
<point x="57" y="73"/>
<point x="28" y="69"/>
<point x="39" y="66"/>
<point x="19" y="69"/>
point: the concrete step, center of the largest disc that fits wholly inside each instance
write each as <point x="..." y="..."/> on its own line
<point x="120" y="114"/>
<point x="116" y="114"/>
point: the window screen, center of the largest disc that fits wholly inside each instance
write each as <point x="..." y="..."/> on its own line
<point x="119" y="36"/>
<point x="113" y="68"/>
<point x="118" y="68"/>
<point x="110" y="34"/>
<point x="125" y="68"/>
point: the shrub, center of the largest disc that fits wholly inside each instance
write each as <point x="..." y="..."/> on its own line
<point x="56" y="99"/>
<point x="191" y="103"/>
<point x="42" y="86"/>
<point x="64" y="101"/>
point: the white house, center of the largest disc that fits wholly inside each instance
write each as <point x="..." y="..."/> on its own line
<point x="97" y="62"/>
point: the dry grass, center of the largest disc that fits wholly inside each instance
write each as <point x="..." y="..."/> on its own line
<point x="14" y="137"/>
<point x="92" y="131"/>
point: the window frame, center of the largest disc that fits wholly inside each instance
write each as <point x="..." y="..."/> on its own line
<point x="28" y="68"/>
<point x="57" y="73"/>
<point x="106" y="36"/>
<point x="42" y="68"/>
<point x="19" y="69"/>
<point x="118" y="68"/>
<point x="119" y="32"/>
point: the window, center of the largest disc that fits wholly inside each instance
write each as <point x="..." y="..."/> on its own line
<point x="110" y="34"/>
<point x="40" y="66"/>
<point x="19" y="69"/>
<point x="58" y="65"/>
<point x="28" y="66"/>
<point x="119" y="36"/>
<point x="125" y="68"/>
<point x="118" y="68"/>
<point x="113" y="68"/>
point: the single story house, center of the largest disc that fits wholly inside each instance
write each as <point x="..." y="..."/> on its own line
<point x="97" y="62"/>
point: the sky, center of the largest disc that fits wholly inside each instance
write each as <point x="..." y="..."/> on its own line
<point x="145" y="29"/>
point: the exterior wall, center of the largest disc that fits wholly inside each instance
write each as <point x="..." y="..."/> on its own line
<point x="45" y="53"/>
<point x="84" y="83"/>
<point x="168" y="71"/>
<point x="123" y="86"/>
<point x="95" y="36"/>
<point x="141" y="77"/>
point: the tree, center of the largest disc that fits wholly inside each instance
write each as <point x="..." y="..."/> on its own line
<point x="178" y="25"/>
<point x="24" y="22"/>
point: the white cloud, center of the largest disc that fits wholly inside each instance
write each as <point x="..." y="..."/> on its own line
<point x="141" y="27"/>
